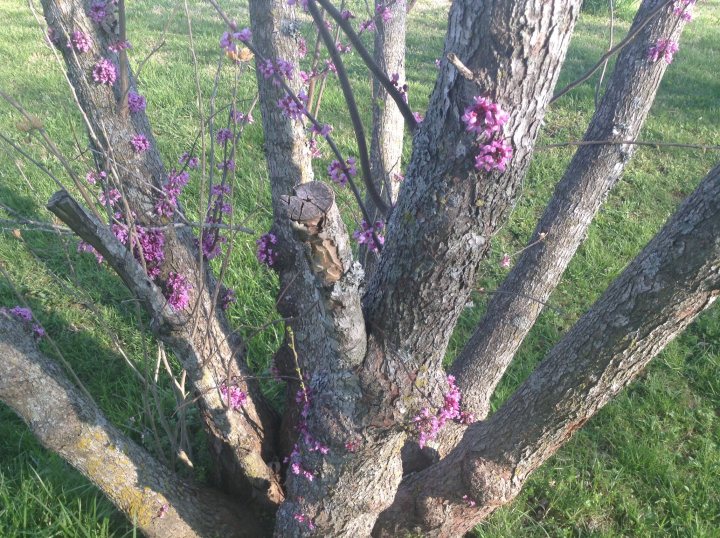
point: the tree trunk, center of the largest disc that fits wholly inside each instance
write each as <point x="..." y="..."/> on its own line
<point x="202" y="341"/>
<point x="388" y="128"/>
<point x="68" y="423"/>
<point x="659" y="294"/>
<point x="594" y="170"/>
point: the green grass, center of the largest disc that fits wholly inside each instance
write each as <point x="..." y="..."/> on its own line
<point x="646" y="465"/>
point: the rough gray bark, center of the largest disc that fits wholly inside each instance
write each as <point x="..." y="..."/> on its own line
<point x="388" y="126"/>
<point x="446" y="211"/>
<point x="365" y="374"/>
<point x="68" y="423"/>
<point x="347" y="499"/>
<point x="202" y="341"/>
<point x="594" y="170"/>
<point x="658" y="295"/>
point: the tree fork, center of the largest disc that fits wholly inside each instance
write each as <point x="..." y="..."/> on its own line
<point x="208" y="352"/>
<point x="661" y="292"/>
<point x="594" y="170"/>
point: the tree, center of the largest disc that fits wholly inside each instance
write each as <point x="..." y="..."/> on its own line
<point x="377" y="438"/>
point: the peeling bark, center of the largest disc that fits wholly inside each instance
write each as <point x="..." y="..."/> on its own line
<point x="659" y="294"/>
<point x="68" y="423"/>
<point x="593" y="171"/>
<point x="203" y="342"/>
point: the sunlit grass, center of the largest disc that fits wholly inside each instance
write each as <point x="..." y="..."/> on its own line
<point x="645" y="466"/>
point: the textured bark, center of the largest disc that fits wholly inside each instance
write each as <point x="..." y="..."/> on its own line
<point x="673" y="279"/>
<point x="593" y="171"/>
<point x="68" y="423"/>
<point x="388" y="124"/>
<point x="351" y="488"/>
<point x="446" y="212"/>
<point x="203" y="341"/>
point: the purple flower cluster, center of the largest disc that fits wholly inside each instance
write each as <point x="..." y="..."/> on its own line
<point x="366" y="26"/>
<point x="402" y="88"/>
<point x="384" y="13"/>
<point x="136" y="102"/>
<point x="228" y="297"/>
<point x="494" y="156"/>
<point x="429" y="425"/>
<point x="109" y="198"/>
<point x="140" y="143"/>
<point x="80" y="41"/>
<point x="92" y="177"/>
<point x="309" y="442"/>
<point x="340" y="173"/>
<point x="148" y="245"/>
<point x="212" y="241"/>
<point x="663" y="48"/>
<point x="486" y="120"/>
<point x="228" y="40"/>
<point x="98" y="12"/>
<point x="167" y="204"/>
<point x="364" y="236"/>
<point x="294" y="109"/>
<point x="25" y="315"/>
<point x="484" y="117"/>
<point x="240" y="117"/>
<point x="104" y="72"/>
<point x="224" y="135"/>
<point x="178" y="291"/>
<point x="233" y="396"/>
<point x="266" y="252"/>
<point x="190" y="162"/>
<point x="119" y="46"/>
<point x="684" y="9"/>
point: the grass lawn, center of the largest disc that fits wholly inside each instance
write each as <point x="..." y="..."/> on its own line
<point x="647" y="465"/>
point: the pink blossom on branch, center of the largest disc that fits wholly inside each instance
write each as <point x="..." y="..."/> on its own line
<point x="136" y="102"/>
<point x="340" y="173"/>
<point x="178" y="288"/>
<point x="80" y="41"/>
<point x="233" y="397"/>
<point x="104" y="72"/>
<point x="364" y="236"/>
<point x="140" y="143"/>
<point x="494" y="155"/>
<point x="266" y="252"/>
<point x="663" y="48"/>
<point x="484" y="117"/>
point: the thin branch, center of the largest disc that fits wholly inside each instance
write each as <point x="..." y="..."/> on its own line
<point x="611" y="5"/>
<point x="371" y="64"/>
<point x="649" y="143"/>
<point x="352" y="109"/>
<point x="617" y="48"/>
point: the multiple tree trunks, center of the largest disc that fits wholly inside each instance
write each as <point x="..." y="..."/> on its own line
<point x="594" y="170"/>
<point x="361" y="367"/>
<point x="240" y="443"/>
<point x="70" y="424"/>
<point x="659" y="294"/>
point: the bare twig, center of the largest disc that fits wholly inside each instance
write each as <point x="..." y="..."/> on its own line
<point x="649" y="143"/>
<point x="370" y="63"/>
<point x="352" y="109"/>
<point x="617" y="48"/>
